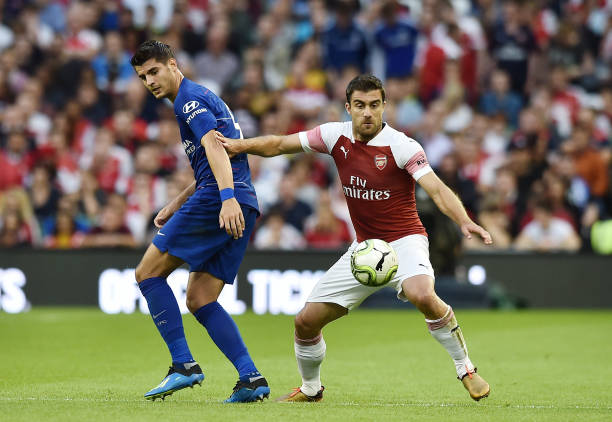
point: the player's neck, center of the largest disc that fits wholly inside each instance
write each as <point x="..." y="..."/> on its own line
<point x="179" y="79"/>
<point x="367" y="138"/>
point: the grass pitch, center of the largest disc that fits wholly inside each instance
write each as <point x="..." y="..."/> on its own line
<point x="63" y="364"/>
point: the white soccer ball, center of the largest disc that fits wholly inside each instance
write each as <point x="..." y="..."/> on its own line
<point x="373" y="262"/>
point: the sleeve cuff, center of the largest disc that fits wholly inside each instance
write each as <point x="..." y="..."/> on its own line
<point x="422" y="172"/>
<point x="304" y="141"/>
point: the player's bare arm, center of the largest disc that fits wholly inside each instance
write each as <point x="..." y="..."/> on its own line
<point x="266" y="146"/>
<point x="166" y="212"/>
<point x="450" y="204"/>
<point x="230" y="217"/>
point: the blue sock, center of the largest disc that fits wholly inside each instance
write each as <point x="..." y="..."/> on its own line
<point x="167" y="317"/>
<point x="224" y="332"/>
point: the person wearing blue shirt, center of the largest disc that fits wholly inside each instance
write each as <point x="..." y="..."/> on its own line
<point x="344" y="44"/>
<point x="500" y="100"/>
<point x="398" y="40"/>
<point x="207" y="226"/>
<point x="112" y="67"/>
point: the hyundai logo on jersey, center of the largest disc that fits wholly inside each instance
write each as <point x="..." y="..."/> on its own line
<point x="190" y="106"/>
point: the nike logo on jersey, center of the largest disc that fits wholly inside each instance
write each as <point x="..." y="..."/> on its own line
<point x="160" y="233"/>
<point x="344" y="151"/>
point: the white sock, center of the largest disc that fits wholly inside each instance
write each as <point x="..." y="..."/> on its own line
<point x="449" y="335"/>
<point x="310" y="354"/>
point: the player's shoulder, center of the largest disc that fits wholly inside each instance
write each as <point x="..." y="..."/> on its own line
<point x="340" y="128"/>
<point x="191" y="97"/>
<point x="392" y="137"/>
<point x="403" y="147"/>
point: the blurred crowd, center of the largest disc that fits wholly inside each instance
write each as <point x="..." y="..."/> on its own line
<point x="512" y="101"/>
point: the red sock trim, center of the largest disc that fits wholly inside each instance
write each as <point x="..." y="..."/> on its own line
<point x="308" y="341"/>
<point x="439" y="323"/>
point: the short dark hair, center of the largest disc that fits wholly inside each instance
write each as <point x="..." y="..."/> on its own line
<point x="364" y="83"/>
<point x="152" y="49"/>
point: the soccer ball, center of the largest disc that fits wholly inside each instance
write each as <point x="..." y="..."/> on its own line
<point x="373" y="262"/>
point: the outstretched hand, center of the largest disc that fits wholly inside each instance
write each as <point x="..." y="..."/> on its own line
<point x="232" y="146"/>
<point x="468" y="228"/>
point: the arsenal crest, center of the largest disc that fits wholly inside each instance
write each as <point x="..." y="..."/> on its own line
<point x="380" y="160"/>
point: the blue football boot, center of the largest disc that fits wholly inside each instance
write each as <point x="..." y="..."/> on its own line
<point x="256" y="389"/>
<point x="178" y="378"/>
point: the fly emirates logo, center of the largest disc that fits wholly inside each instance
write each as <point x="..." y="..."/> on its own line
<point x="359" y="190"/>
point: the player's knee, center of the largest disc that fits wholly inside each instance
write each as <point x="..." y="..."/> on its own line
<point x="195" y="300"/>
<point x="421" y="297"/>
<point x="306" y="327"/>
<point x="192" y="304"/>
<point x="141" y="274"/>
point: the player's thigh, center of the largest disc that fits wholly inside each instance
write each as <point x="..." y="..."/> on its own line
<point x="203" y="288"/>
<point x="155" y="263"/>
<point x="316" y="315"/>
<point x="415" y="274"/>
<point x="339" y="286"/>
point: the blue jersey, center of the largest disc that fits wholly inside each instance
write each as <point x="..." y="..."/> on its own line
<point x="198" y="111"/>
<point x="399" y="43"/>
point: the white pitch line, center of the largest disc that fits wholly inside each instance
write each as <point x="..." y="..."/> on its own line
<point x="345" y="404"/>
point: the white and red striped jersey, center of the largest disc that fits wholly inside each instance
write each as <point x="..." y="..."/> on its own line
<point x="377" y="177"/>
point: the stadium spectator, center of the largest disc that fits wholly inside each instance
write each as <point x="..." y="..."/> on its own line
<point x="547" y="233"/>
<point x="111" y="231"/>
<point x="44" y="196"/>
<point x="494" y="220"/>
<point x="18" y="226"/>
<point x="344" y="43"/>
<point x="398" y="40"/>
<point x="323" y="229"/>
<point x="294" y="211"/>
<point x="588" y="162"/>
<point x="15" y="161"/>
<point x="402" y="97"/>
<point x="500" y="100"/>
<point x="110" y="163"/>
<point x="512" y="45"/>
<point x="112" y="65"/>
<point x="275" y="233"/>
<point x="216" y="66"/>
<point x="65" y="235"/>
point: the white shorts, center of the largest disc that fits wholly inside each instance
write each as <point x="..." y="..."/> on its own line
<point x="339" y="286"/>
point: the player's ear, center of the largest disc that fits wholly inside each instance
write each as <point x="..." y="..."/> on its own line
<point x="172" y="62"/>
<point x="347" y="106"/>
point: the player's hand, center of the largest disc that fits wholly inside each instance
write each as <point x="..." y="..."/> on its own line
<point x="231" y="218"/>
<point x="468" y="228"/>
<point x="164" y="215"/>
<point x="232" y="146"/>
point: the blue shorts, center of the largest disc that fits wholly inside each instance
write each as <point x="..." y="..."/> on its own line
<point x="193" y="235"/>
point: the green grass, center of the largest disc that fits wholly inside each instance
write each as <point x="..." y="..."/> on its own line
<point x="79" y="364"/>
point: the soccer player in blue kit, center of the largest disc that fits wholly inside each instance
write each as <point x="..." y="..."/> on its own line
<point x="208" y="226"/>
